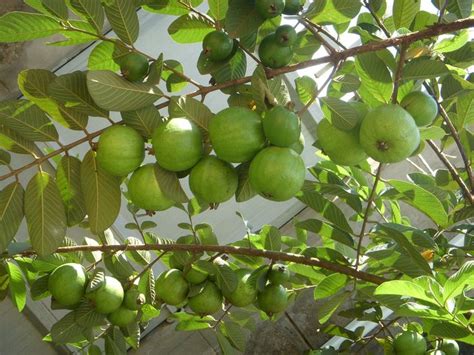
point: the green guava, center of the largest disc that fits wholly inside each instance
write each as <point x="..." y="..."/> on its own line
<point x="286" y="35"/>
<point x="122" y="316"/>
<point x="236" y="134"/>
<point x="172" y="287"/>
<point x="195" y="276"/>
<point x="282" y="127"/>
<point x="409" y="342"/>
<point x="342" y="147"/>
<point x="121" y="150"/>
<point x="272" y="54"/>
<point x="208" y="301"/>
<point x="108" y="297"/>
<point x="177" y="144"/>
<point x="450" y="347"/>
<point x="389" y="134"/>
<point x="273" y="299"/>
<point x="217" y="45"/>
<point x="277" y="173"/>
<point x="269" y="8"/>
<point x="144" y="190"/>
<point x="298" y="146"/>
<point x="67" y="284"/>
<point x="134" y="66"/>
<point x="422" y="107"/>
<point x="133" y="299"/>
<point x="245" y="293"/>
<point x="436" y="352"/>
<point x="213" y="180"/>
<point x="292" y="7"/>
<point x="279" y="274"/>
<point x="175" y="263"/>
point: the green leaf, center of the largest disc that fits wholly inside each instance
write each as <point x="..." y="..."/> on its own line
<point x="449" y="330"/>
<point x="235" y="333"/>
<point x="452" y="43"/>
<point x="169" y="184"/>
<point x="328" y="308"/>
<point x="405" y="289"/>
<point x="457" y="282"/>
<point x="144" y="121"/>
<point x="329" y="286"/>
<point x="170" y="7"/>
<point x="326" y="231"/>
<point x="226" y="278"/>
<point x="305" y="46"/>
<point x="190" y="28"/>
<point x="106" y="56"/>
<point x="139" y="256"/>
<point x="149" y="312"/>
<point x="91" y="11"/>
<point x="339" y="113"/>
<point x="432" y="132"/>
<point x="45" y="214"/>
<point x="375" y="77"/>
<point x="93" y="256"/>
<point x="146" y="285"/>
<point x="11" y="213"/>
<point x="244" y="191"/>
<point x="66" y="330"/>
<point x="206" y="234"/>
<point x="101" y="192"/>
<point x="24" y="26"/>
<point x="271" y="237"/>
<point x="218" y="8"/>
<point x="335" y="11"/>
<point x="225" y="345"/>
<point x="235" y="68"/>
<point x="112" y="92"/>
<point x="123" y="18"/>
<point x="306" y="88"/>
<point x="465" y="108"/>
<point x="115" y="343"/>
<point x="462" y="8"/>
<point x="185" y="106"/>
<point x="86" y="316"/>
<point x="5" y="157"/>
<point x="14" y="142"/>
<point x="57" y="8"/>
<point x="17" y="286"/>
<point x="404" y="12"/>
<point x="156" y="69"/>
<point x="242" y="18"/>
<point x="424" y="69"/>
<point x="39" y="288"/>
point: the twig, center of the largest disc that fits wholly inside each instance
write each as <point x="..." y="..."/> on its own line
<point x="377" y="19"/>
<point x="330" y="49"/>
<point x="398" y="73"/>
<point x="326" y="33"/>
<point x="442" y="10"/>
<point x="221" y="318"/>
<point x="145" y="269"/>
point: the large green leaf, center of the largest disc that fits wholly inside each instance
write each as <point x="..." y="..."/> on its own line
<point x="123" y="19"/>
<point x="374" y="76"/>
<point x="45" y="214"/>
<point x="17" y="286"/>
<point x="101" y="192"/>
<point x="452" y="43"/>
<point x="235" y="68"/>
<point x="462" y="280"/>
<point x="90" y="10"/>
<point x="245" y="190"/>
<point x="271" y="237"/>
<point x="170" y="7"/>
<point x="11" y="213"/>
<point x="144" y="120"/>
<point x="169" y="184"/>
<point x="336" y="11"/>
<point x="242" y="18"/>
<point x="404" y="11"/>
<point x="190" y="28"/>
<point x="306" y="88"/>
<point x="218" y="8"/>
<point x="56" y="8"/>
<point x="424" y="69"/>
<point x="330" y="285"/>
<point x="462" y="8"/>
<point x="114" y="93"/>
<point x="105" y="56"/>
<point x="185" y="106"/>
<point x="14" y="142"/>
<point x="25" y="26"/>
<point x="451" y="330"/>
<point x="326" y="231"/>
<point x="340" y="113"/>
<point x="67" y="330"/>
<point x="328" y="308"/>
<point x="405" y="289"/>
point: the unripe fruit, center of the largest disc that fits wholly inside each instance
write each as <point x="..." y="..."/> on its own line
<point x="298" y="146"/>
<point x="245" y="293"/>
<point x="286" y="35"/>
<point x="108" y="297"/>
<point x="67" y="284"/>
<point x="134" y="66"/>
<point x="292" y="7"/>
<point x="273" y="299"/>
<point x="272" y="54"/>
<point x="281" y="126"/>
<point x="195" y="276"/>
<point x="450" y="347"/>
<point x="409" y="342"/>
<point x="217" y="45"/>
<point x="171" y="287"/>
<point x="269" y="8"/>
<point x="122" y="317"/>
<point x="133" y="299"/>
<point x="422" y="107"/>
<point x="208" y="301"/>
<point x="279" y="274"/>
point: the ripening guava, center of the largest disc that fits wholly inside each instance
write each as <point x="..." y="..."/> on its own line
<point x="171" y="287"/>
<point x="67" y="284"/>
<point x="208" y="301"/>
<point x="286" y="35"/>
<point x="298" y="146"/>
<point x="279" y="274"/>
<point x="195" y="276"/>
<point x="422" y="107"/>
<point x="121" y="150"/>
<point x="122" y="316"/>
<point x="281" y="126"/>
<point x="277" y="173"/>
<point x="273" y="54"/>
<point x="213" y="180"/>
<point x="269" y="8"/>
<point x="342" y="147"/>
<point x="245" y="293"/>
<point x="273" y="299"/>
<point x="108" y="297"/>
<point x="133" y="299"/>
<point x="389" y="134"/>
<point x="292" y="7"/>
<point x="134" y="66"/>
<point x="145" y="192"/>
<point x="450" y="347"/>
<point x="217" y="45"/>
<point x="177" y="144"/>
<point x="409" y="342"/>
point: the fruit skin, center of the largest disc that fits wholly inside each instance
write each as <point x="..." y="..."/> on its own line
<point x="133" y="299"/>
<point x="208" y="301"/>
<point x="279" y="274"/>
<point x="389" y="134"/>
<point x="245" y="293"/>
<point x="121" y="150"/>
<point x="286" y="35"/>
<point x="108" y="297"/>
<point x="342" y="147"/>
<point x="272" y="54"/>
<point x="298" y="147"/>
<point x="281" y="126"/>
<point x="145" y="192"/>
<point x="213" y="180"/>
<point x="236" y="134"/>
<point x="177" y="144"/>
<point x="171" y="287"/>
<point x="422" y="107"/>
<point x="273" y="299"/>
<point x="195" y="276"/>
<point x="409" y="342"/>
<point x="67" y="284"/>
<point x="277" y="173"/>
<point x="292" y="7"/>
<point x="450" y="347"/>
<point x="122" y="316"/>
<point x="269" y="8"/>
<point x="217" y="45"/>
<point x="134" y="66"/>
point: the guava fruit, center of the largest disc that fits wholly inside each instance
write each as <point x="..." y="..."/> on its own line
<point x="422" y="107"/>
<point x="277" y="173"/>
<point x="389" y="134"/>
<point x="217" y="45"/>
<point x="236" y="134"/>
<point x="281" y="126"/>
<point x="208" y="301"/>
<point x="279" y="274"/>
<point x="134" y="66"/>
<point x="133" y="299"/>
<point x="171" y="287"/>
<point x="108" y="297"/>
<point x="298" y="146"/>
<point x="213" y="180"/>
<point x="245" y="293"/>
<point x="144" y="190"/>
<point x="195" y="276"/>
<point x="292" y="7"/>
<point x="272" y="54"/>
<point x="122" y="316"/>
<point x="450" y="347"/>
<point x="436" y="352"/>
<point x="409" y="342"/>
<point x="67" y="284"/>
<point x="269" y="8"/>
<point x="273" y="299"/>
<point x="342" y="147"/>
<point x="121" y="150"/>
<point x="177" y="144"/>
<point x="286" y="35"/>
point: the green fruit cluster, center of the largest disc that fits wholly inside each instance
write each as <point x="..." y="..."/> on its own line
<point x="272" y="8"/>
<point x="276" y="49"/>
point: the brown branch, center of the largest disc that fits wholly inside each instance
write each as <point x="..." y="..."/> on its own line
<point x="398" y="73"/>
<point x="326" y="33"/>
<point x="330" y="49"/>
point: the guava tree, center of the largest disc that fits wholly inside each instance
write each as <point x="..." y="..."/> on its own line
<point x="406" y="89"/>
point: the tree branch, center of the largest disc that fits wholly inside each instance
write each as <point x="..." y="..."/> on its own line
<point x="398" y="73"/>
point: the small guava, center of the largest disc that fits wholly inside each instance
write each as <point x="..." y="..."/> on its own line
<point x="292" y="7"/>
<point x="134" y="66"/>
<point x="67" y="284"/>
<point x="272" y="54"/>
<point x="133" y="299"/>
<point x="389" y="134"/>
<point x="245" y="293"/>
<point x="213" y="180"/>
<point x="277" y="173"/>
<point x="217" y="45"/>
<point x="122" y="316"/>
<point x="269" y="8"/>
<point x="121" y="150"/>
<point x="342" y="147"/>
<point x="108" y="297"/>
<point x="282" y="127"/>
<point x="236" y="134"/>
<point x="422" y="107"/>
<point x="171" y="287"/>
<point x="279" y="274"/>
<point x="286" y="35"/>
<point x="298" y="147"/>
<point x="450" y="347"/>
<point x="409" y="342"/>
<point x="273" y="299"/>
<point x="177" y="144"/>
<point x="145" y="192"/>
<point x="208" y="301"/>
<point x="195" y="276"/>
